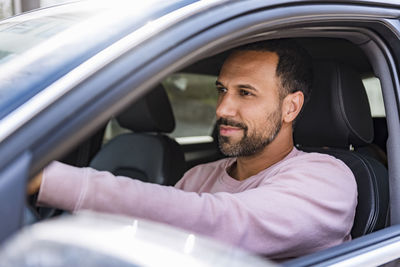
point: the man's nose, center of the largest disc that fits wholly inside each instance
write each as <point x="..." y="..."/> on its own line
<point x="226" y="106"/>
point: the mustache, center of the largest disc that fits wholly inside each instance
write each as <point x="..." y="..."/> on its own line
<point x="232" y="123"/>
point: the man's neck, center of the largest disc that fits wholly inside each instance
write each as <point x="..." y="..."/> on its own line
<point x="246" y="167"/>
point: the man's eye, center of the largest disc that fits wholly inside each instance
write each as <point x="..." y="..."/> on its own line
<point x="221" y="90"/>
<point x="245" y="93"/>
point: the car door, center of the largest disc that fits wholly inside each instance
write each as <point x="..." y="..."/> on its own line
<point x="12" y="192"/>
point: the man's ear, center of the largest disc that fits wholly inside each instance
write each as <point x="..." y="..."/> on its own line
<point x="291" y="106"/>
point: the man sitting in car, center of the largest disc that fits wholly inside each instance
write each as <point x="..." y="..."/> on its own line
<point x="267" y="196"/>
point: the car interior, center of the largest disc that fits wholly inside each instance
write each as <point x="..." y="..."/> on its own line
<point x="337" y="121"/>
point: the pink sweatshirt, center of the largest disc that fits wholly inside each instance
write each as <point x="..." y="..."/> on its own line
<point x="302" y="204"/>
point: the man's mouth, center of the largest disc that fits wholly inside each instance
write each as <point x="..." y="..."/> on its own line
<point x="228" y="130"/>
<point x="229" y="127"/>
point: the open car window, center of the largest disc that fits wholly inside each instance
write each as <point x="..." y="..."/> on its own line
<point x="193" y="99"/>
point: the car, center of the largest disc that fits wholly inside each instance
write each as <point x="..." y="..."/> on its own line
<point x="69" y="75"/>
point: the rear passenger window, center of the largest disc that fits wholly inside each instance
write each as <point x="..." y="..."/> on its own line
<point x="374" y="92"/>
<point x="193" y="98"/>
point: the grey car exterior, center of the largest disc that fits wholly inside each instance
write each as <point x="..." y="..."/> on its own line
<point x="78" y="80"/>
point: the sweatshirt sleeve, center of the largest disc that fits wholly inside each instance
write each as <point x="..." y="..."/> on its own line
<point x="272" y="219"/>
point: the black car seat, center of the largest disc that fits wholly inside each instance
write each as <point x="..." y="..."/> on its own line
<point x="147" y="153"/>
<point x="337" y="121"/>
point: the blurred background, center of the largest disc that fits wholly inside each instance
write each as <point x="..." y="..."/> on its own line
<point x="13" y="7"/>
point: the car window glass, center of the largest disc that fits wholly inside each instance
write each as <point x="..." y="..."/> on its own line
<point x="21" y="33"/>
<point x="193" y="99"/>
<point x="373" y="87"/>
<point x="19" y="36"/>
<point x="6" y="8"/>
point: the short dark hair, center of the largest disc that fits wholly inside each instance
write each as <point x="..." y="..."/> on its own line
<point x="294" y="67"/>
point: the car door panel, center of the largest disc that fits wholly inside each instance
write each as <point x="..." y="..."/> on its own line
<point x="13" y="195"/>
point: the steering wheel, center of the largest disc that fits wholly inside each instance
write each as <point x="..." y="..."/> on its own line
<point x="33" y="214"/>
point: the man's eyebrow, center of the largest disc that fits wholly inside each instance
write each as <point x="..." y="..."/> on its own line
<point x="247" y="86"/>
<point x="218" y="83"/>
<point x="240" y="86"/>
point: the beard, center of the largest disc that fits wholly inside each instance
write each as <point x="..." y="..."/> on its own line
<point x="251" y="143"/>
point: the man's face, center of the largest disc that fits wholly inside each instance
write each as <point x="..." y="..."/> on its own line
<point x="249" y="114"/>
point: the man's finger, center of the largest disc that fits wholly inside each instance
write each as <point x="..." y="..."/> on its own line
<point x="34" y="184"/>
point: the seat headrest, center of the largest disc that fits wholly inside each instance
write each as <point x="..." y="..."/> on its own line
<point x="151" y="113"/>
<point x="338" y="113"/>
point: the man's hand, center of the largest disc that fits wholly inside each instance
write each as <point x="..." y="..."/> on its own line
<point x="34" y="184"/>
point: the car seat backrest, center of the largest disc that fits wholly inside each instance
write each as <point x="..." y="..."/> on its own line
<point x="338" y="113"/>
<point x="147" y="153"/>
<point x="337" y="121"/>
